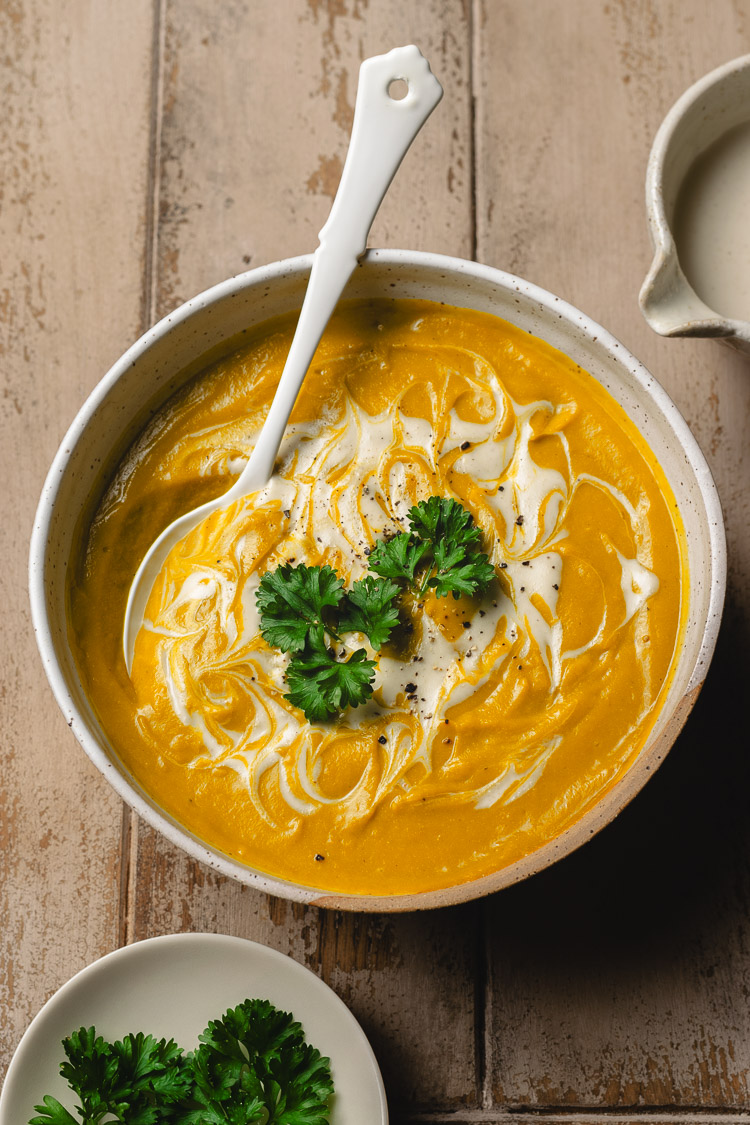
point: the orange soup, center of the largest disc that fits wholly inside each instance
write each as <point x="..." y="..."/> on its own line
<point x="496" y="721"/>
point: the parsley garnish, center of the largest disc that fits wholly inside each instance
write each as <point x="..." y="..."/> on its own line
<point x="370" y="608"/>
<point x="442" y="551"/>
<point x="303" y="608"/>
<point x="298" y="606"/>
<point x="398" y="558"/>
<point x="253" y="1065"/>
<point x="321" y="686"/>
<point x="293" y="601"/>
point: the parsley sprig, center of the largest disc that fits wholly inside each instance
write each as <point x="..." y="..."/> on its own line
<point x="253" y="1065"/>
<point x="138" y="1079"/>
<point x="441" y="552"/>
<point x="293" y="601"/>
<point x="322" y="685"/>
<point x="304" y="608"/>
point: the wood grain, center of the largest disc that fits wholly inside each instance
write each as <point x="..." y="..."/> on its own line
<point x="74" y="146"/>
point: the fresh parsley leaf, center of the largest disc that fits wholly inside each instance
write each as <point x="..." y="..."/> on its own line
<point x="320" y="685"/>
<point x="292" y="601"/>
<point x="301" y="1086"/>
<point x="441" y="519"/>
<point x="442" y="551"/>
<point x="399" y="557"/>
<point x="253" y="1065"/>
<point x="91" y="1072"/>
<point x="52" y="1113"/>
<point x="457" y="566"/>
<point x="370" y="607"/>
<point x="467" y="579"/>
<point x="258" y="1025"/>
<point x="138" y="1080"/>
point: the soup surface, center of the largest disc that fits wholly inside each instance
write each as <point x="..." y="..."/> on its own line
<point x="496" y="722"/>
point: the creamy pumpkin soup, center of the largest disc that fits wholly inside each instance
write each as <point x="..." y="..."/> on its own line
<point x="496" y="720"/>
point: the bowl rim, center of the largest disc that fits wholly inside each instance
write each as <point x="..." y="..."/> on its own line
<point x="665" y="272"/>
<point x="571" y="838"/>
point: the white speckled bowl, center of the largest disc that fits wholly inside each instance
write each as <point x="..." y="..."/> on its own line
<point x="710" y="108"/>
<point x="176" y="348"/>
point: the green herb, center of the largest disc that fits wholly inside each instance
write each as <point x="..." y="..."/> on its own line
<point x="302" y="608"/>
<point x="298" y="607"/>
<point x="253" y="1065"/>
<point x="293" y="600"/>
<point x="398" y="558"/>
<point x="321" y="685"/>
<point x="139" y="1080"/>
<point x="442" y="551"/>
<point x="370" y="607"/>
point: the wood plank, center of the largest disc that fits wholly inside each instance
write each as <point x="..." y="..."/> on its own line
<point x="619" y="978"/>
<point x="257" y="114"/>
<point x="74" y="147"/>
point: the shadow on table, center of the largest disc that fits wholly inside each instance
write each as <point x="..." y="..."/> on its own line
<point x="675" y="860"/>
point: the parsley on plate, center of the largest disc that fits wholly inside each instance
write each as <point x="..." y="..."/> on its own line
<point x="252" y="1065"/>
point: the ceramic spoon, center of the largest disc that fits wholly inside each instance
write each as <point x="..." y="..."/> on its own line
<point x="383" y="129"/>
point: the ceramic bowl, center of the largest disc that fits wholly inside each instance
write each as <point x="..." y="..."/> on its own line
<point x="177" y="347"/>
<point x="707" y="112"/>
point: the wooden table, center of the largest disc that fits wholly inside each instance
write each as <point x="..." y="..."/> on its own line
<point x="154" y="147"/>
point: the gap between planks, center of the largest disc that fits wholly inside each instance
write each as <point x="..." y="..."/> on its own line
<point x="129" y="839"/>
<point x="644" y="1115"/>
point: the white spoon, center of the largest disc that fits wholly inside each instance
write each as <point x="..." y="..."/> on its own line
<point x="383" y="129"/>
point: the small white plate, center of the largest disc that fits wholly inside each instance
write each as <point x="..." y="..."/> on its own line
<point x="171" y="987"/>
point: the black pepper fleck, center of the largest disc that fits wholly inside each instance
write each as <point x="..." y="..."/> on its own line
<point x="466" y="624"/>
<point x="382" y="740"/>
<point x="519" y="521"/>
<point x="411" y="688"/>
<point x="465" y="444"/>
<point x="319" y="858"/>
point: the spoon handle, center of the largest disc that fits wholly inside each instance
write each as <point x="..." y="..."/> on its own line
<point x="383" y="129"/>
